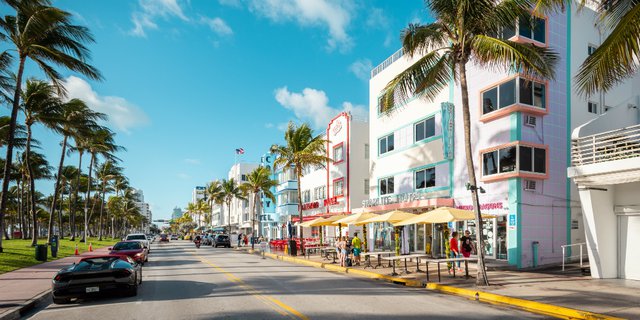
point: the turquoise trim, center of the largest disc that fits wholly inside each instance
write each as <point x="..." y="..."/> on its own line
<point x="415" y="144"/>
<point x="567" y="80"/>
<point x="451" y="96"/>
<point x="514" y="243"/>
<point x="431" y="189"/>
<point x="413" y="170"/>
<point x="433" y="114"/>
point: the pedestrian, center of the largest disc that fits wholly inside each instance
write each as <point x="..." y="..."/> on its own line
<point x="239" y="239"/>
<point x="466" y="244"/>
<point x="246" y="240"/>
<point x="454" y="249"/>
<point x="356" y="244"/>
<point x="342" y="246"/>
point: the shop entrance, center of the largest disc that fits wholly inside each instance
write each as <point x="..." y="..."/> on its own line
<point x="628" y="239"/>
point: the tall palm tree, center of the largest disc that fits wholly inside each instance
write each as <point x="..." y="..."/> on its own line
<point x="38" y="169"/>
<point x="230" y="191"/>
<point x="213" y="192"/>
<point x="201" y="209"/>
<point x="302" y="149"/>
<point x="75" y="118"/>
<point x="64" y="177"/>
<point x="192" y="208"/>
<point x="106" y="172"/>
<point x="258" y="181"/>
<point x="463" y="32"/>
<point x="45" y="35"/>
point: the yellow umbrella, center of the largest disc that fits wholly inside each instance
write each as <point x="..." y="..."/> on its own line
<point x="328" y="221"/>
<point x="355" y="218"/>
<point x="390" y="217"/>
<point x="441" y="215"/>
<point x="310" y="223"/>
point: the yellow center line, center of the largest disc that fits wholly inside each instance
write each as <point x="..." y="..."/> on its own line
<point x="274" y="303"/>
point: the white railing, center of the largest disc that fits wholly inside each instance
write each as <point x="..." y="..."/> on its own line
<point x="564" y="256"/>
<point x="607" y="146"/>
<point x="397" y="55"/>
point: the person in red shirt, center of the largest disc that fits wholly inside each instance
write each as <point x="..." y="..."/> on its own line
<point x="454" y="249"/>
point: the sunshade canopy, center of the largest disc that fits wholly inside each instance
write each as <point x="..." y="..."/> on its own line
<point x="440" y="215"/>
<point x="309" y="223"/>
<point x="390" y="217"/>
<point x="328" y="221"/>
<point x="355" y="218"/>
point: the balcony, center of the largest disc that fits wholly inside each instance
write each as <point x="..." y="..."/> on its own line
<point x="386" y="63"/>
<point x="287" y="185"/>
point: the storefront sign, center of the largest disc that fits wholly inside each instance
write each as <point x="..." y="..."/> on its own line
<point x="331" y="201"/>
<point x="512" y="222"/>
<point x="337" y="127"/>
<point x="448" y="129"/>
<point x="311" y="205"/>
<point x="400" y="198"/>
<point x="485" y="206"/>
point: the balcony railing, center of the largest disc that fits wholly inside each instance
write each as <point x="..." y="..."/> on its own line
<point x="397" y="55"/>
<point x="607" y="146"/>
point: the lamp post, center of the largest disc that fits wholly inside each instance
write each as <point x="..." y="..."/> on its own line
<point x="475" y="189"/>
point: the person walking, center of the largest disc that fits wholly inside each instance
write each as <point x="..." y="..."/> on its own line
<point x="246" y="240"/>
<point x="466" y="244"/>
<point x="454" y="249"/>
<point x="356" y="245"/>
<point x="342" y="246"/>
<point x="239" y="239"/>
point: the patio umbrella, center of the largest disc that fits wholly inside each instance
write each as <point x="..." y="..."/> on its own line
<point x="441" y="215"/>
<point x="355" y="218"/>
<point x="308" y="224"/>
<point x="327" y="221"/>
<point x="390" y="217"/>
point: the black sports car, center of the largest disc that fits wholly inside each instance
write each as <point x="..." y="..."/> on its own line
<point x="95" y="275"/>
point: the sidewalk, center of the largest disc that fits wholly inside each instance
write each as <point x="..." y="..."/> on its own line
<point x="23" y="287"/>
<point x="568" y="295"/>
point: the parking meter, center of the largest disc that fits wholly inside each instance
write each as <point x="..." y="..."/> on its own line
<point x="54" y="246"/>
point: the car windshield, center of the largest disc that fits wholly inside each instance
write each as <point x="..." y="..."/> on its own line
<point x="127" y="246"/>
<point x="95" y="264"/>
<point x="223" y="238"/>
<point x="137" y="237"/>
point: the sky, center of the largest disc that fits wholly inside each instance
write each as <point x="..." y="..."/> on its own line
<point x="186" y="82"/>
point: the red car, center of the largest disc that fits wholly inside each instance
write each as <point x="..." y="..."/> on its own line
<point x="133" y="249"/>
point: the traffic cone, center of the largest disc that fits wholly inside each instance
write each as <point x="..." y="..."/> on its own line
<point x="90" y="247"/>
<point x="76" y="253"/>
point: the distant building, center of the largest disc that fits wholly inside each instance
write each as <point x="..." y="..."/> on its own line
<point x="240" y="209"/>
<point x="177" y="213"/>
<point x="268" y="216"/>
<point x="143" y="207"/>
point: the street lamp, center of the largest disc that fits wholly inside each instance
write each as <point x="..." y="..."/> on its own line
<point x="473" y="188"/>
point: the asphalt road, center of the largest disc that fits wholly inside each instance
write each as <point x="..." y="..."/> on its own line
<point x="182" y="282"/>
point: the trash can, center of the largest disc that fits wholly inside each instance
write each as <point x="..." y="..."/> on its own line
<point x="41" y="252"/>
<point x="293" y="248"/>
<point x="54" y="246"/>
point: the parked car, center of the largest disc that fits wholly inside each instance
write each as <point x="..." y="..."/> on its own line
<point x="95" y="275"/>
<point x="221" y="240"/>
<point x="207" y="240"/>
<point x="133" y="249"/>
<point x="174" y="237"/>
<point x="164" y="238"/>
<point x="139" y="237"/>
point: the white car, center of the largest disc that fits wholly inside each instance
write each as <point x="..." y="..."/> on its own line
<point x="139" y="237"/>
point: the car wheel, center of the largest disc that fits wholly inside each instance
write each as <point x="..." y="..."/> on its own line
<point x="60" y="300"/>
<point x="133" y="291"/>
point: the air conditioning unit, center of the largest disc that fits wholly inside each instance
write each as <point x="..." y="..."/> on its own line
<point x="530" y="120"/>
<point x="530" y="185"/>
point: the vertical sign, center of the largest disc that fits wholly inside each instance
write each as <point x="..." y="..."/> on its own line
<point x="512" y="222"/>
<point x="448" y="135"/>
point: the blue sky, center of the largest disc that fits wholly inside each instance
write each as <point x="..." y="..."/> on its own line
<point x="188" y="81"/>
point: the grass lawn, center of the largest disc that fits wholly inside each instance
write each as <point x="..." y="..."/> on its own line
<point x="19" y="253"/>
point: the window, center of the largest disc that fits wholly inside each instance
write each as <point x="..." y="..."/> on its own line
<point x="425" y="178"/>
<point x="338" y="187"/>
<point x="243" y="177"/>
<point x="592" y="107"/>
<point x="306" y="196"/>
<point x="366" y="186"/>
<point x="386" y="186"/>
<point x="366" y="151"/>
<point x="591" y="49"/>
<point x="519" y="90"/>
<point x="288" y="197"/>
<point x="338" y="155"/>
<point x="425" y="129"/>
<point x="385" y="144"/>
<point x="530" y="159"/>
<point x="533" y="29"/>
<point x="319" y="193"/>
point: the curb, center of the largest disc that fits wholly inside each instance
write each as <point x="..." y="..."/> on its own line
<point x="528" y="305"/>
<point x="482" y="296"/>
<point x="19" y="311"/>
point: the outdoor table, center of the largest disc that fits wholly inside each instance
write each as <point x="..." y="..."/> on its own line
<point x="452" y="260"/>
<point x="332" y="251"/>
<point x="367" y="259"/>
<point x="396" y="258"/>
<point x="416" y="256"/>
<point x="310" y="248"/>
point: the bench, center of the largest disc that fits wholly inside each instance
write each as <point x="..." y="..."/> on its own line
<point x="452" y="260"/>
<point x="406" y="257"/>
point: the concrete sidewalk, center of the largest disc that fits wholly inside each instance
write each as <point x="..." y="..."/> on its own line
<point x="24" y="287"/>
<point x="565" y="295"/>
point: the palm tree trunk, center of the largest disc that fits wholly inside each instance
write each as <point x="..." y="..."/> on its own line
<point x="10" y="142"/>
<point x="101" y="210"/>
<point x="481" y="277"/>
<point x="55" y="194"/>
<point x="72" y="211"/>
<point x="229" y="214"/>
<point x="32" y="187"/>
<point x="299" y="176"/>
<point x="86" y="200"/>
<point x="253" y="219"/>
<point x="21" y="208"/>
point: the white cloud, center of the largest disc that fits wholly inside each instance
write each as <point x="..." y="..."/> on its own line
<point x="150" y="10"/>
<point x="335" y="15"/>
<point x="269" y="125"/>
<point x="217" y="25"/>
<point x="231" y="3"/>
<point x="361" y="68"/>
<point x="313" y="106"/>
<point x="192" y="161"/>
<point x="123" y="115"/>
<point x="377" y="19"/>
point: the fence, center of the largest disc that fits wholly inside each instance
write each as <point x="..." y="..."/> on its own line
<point x="564" y="256"/>
<point x="607" y="146"/>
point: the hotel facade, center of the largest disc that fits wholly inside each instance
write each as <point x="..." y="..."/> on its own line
<point x="520" y="131"/>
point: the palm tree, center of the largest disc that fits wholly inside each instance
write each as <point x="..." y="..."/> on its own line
<point x="213" y="192"/>
<point x="302" y="149"/>
<point x="191" y="209"/>
<point x="202" y="208"/>
<point x="230" y="191"/>
<point x="75" y="118"/>
<point x="45" y="35"/>
<point x="258" y="181"/>
<point x="64" y="177"/>
<point x="38" y="169"/>
<point x="463" y="32"/>
<point x="106" y="172"/>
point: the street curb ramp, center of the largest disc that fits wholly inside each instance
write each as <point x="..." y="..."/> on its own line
<point x="481" y="296"/>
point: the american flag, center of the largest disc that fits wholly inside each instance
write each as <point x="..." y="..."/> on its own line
<point x="239" y="151"/>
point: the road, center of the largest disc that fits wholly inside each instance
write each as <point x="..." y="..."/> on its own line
<point x="182" y="282"/>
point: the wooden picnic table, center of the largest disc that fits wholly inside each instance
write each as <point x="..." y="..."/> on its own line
<point x="405" y="257"/>
<point x="310" y="248"/>
<point x="452" y="260"/>
<point x="367" y="258"/>
<point x="329" y="251"/>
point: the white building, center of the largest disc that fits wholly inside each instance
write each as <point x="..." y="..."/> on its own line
<point x="240" y="209"/>
<point x="342" y="184"/>
<point x="143" y="207"/>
